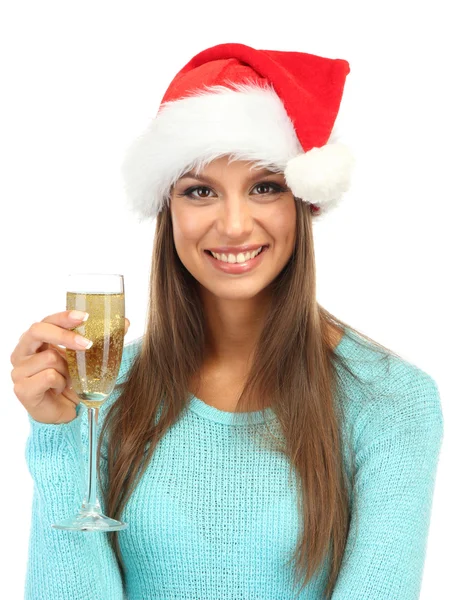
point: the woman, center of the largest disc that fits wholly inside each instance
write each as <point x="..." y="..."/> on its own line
<point x="258" y="446"/>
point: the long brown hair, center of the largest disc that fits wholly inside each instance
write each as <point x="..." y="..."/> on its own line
<point x="294" y="371"/>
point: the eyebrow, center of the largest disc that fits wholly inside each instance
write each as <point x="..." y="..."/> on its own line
<point x="259" y="173"/>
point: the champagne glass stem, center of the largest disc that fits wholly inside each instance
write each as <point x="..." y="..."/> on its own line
<point x="90" y="502"/>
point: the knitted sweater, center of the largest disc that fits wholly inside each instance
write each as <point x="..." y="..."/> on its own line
<point x="215" y="516"/>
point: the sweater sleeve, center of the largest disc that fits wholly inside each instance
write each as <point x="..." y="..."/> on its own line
<point x="396" y="463"/>
<point x="66" y="564"/>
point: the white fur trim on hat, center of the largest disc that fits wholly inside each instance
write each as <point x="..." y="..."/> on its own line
<point x="321" y="175"/>
<point x="249" y="123"/>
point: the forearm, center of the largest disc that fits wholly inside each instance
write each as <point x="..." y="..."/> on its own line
<point x="64" y="564"/>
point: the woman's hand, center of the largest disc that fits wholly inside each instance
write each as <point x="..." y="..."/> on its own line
<point x="40" y="374"/>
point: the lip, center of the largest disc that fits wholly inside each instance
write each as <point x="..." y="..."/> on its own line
<point x="237" y="268"/>
<point x="235" y="249"/>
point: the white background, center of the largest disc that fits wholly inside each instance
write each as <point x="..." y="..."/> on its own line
<point x="80" y="80"/>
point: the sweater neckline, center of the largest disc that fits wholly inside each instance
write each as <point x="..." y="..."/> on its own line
<point x="206" y="411"/>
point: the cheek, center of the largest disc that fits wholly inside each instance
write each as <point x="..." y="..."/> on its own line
<point x="186" y="225"/>
<point x="282" y="223"/>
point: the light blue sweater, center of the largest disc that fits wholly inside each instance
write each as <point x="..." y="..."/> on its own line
<point x="214" y="516"/>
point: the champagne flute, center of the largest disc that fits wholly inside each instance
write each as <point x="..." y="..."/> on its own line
<point x="94" y="373"/>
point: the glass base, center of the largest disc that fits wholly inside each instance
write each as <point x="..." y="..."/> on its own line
<point x="90" y="521"/>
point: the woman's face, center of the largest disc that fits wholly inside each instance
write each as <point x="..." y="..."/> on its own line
<point x="231" y="205"/>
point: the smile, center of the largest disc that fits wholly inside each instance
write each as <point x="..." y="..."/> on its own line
<point x="236" y="267"/>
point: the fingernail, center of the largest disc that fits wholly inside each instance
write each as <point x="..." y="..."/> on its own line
<point x="82" y="341"/>
<point x="78" y="315"/>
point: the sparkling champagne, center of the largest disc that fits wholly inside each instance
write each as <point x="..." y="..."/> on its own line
<point x="94" y="371"/>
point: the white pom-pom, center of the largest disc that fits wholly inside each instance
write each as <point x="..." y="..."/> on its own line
<point x="321" y="175"/>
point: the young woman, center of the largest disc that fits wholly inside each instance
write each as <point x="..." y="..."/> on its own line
<point x="257" y="446"/>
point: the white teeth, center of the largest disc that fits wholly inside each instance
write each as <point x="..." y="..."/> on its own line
<point x="240" y="258"/>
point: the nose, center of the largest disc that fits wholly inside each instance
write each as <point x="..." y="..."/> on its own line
<point x="234" y="218"/>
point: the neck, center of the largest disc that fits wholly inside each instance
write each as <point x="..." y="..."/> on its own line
<point x="232" y="329"/>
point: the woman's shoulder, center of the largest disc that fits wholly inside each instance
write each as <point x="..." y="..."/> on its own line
<point x="389" y="392"/>
<point x="132" y="348"/>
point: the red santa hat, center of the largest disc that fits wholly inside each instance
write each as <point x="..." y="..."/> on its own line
<point x="274" y="108"/>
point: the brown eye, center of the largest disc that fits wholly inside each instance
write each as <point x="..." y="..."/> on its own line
<point x="263" y="185"/>
<point x="276" y="188"/>
<point x="202" y="189"/>
<point x="189" y="192"/>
